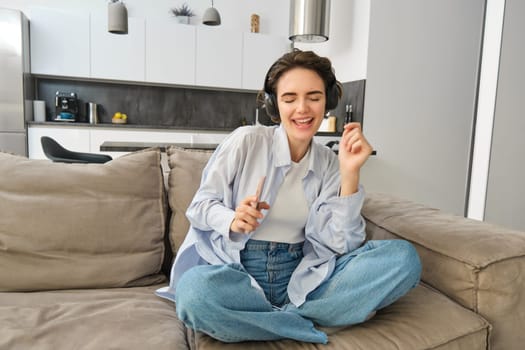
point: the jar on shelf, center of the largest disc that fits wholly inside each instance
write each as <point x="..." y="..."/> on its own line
<point x="254" y="23"/>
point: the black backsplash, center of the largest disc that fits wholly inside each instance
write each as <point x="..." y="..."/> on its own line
<point x="353" y="95"/>
<point x="164" y="106"/>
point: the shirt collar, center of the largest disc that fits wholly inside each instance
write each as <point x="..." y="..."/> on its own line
<point x="281" y="149"/>
<point x="281" y="152"/>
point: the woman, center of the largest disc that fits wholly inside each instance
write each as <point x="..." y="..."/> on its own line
<point x="265" y="264"/>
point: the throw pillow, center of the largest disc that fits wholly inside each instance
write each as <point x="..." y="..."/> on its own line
<point x="183" y="181"/>
<point x="67" y="226"/>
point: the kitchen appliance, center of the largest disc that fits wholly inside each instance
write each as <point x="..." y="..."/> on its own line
<point x="92" y="112"/>
<point x="66" y="106"/>
<point x="16" y="90"/>
<point x="39" y="111"/>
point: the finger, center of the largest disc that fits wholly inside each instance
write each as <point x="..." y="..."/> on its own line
<point x="350" y="139"/>
<point x="353" y="139"/>
<point x="348" y="134"/>
<point x="249" y="200"/>
<point x="244" y="221"/>
<point x="250" y="220"/>
<point x="247" y="227"/>
<point x="249" y="211"/>
<point x="352" y="125"/>
<point x="355" y="135"/>
<point x="243" y="227"/>
<point x="356" y="147"/>
<point x="255" y="212"/>
<point x="263" y="205"/>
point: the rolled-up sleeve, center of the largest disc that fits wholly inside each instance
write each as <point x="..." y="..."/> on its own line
<point x="335" y="223"/>
<point x="211" y="208"/>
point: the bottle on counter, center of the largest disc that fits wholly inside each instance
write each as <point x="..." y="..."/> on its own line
<point x="92" y="113"/>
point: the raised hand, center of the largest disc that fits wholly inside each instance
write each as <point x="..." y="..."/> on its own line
<point x="354" y="150"/>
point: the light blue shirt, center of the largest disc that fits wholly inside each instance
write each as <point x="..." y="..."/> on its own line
<point x="334" y="226"/>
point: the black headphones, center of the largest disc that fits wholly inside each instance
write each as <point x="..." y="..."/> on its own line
<point x="270" y="100"/>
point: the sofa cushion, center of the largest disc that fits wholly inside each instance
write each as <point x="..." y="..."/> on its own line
<point x="117" y="318"/>
<point x="186" y="166"/>
<point x="69" y="226"/>
<point x="477" y="264"/>
<point x="422" y="319"/>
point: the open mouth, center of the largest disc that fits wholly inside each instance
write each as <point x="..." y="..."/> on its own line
<point x="304" y="122"/>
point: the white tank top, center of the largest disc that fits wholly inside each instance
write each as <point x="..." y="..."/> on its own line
<point x="286" y="219"/>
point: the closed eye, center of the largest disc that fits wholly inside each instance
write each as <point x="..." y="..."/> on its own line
<point x="313" y="96"/>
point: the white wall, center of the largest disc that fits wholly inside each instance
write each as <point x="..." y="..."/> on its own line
<point x="505" y="188"/>
<point x="347" y="46"/>
<point x="421" y="91"/>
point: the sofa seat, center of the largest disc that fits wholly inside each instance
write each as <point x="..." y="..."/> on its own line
<point x="119" y="318"/>
<point x="422" y="319"/>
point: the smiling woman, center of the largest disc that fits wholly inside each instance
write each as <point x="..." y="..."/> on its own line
<point x="287" y="250"/>
<point x="301" y="100"/>
<point x="298" y="90"/>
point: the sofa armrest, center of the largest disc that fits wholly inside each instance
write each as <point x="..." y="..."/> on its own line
<point x="479" y="265"/>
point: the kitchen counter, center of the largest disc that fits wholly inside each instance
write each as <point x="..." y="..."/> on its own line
<point x="149" y="127"/>
<point x="114" y="146"/>
<point x="121" y="126"/>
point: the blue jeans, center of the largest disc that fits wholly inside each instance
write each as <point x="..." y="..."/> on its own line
<point x="220" y="301"/>
<point x="272" y="265"/>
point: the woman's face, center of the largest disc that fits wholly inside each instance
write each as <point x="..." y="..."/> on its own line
<point x="301" y="101"/>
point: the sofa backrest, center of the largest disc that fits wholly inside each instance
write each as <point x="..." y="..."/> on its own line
<point x="66" y="226"/>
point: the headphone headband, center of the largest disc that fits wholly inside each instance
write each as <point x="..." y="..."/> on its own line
<point x="270" y="99"/>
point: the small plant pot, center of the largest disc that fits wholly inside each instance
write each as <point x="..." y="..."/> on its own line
<point x="183" y="19"/>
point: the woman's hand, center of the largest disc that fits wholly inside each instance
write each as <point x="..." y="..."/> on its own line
<point x="247" y="214"/>
<point x="354" y="150"/>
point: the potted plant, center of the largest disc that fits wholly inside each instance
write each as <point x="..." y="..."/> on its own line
<point x="183" y="13"/>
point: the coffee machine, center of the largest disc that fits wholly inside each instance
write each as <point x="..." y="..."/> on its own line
<point x="66" y="106"/>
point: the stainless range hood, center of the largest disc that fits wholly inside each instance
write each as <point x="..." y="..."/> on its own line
<point x="309" y="20"/>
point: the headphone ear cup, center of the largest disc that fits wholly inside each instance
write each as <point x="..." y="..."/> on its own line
<point x="332" y="97"/>
<point x="271" y="105"/>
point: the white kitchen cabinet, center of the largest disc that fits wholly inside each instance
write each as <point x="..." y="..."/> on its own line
<point x="219" y="58"/>
<point x="76" y="44"/>
<point x="170" y="52"/>
<point x="71" y="138"/>
<point x="260" y="51"/>
<point x="116" y="56"/>
<point x="89" y="139"/>
<point x="59" y="42"/>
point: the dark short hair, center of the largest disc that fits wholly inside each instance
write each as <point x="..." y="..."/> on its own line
<point x="299" y="59"/>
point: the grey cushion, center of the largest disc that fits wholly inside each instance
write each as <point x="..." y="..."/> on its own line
<point x="117" y="318"/>
<point x="68" y="226"/>
<point x="184" y="179"/>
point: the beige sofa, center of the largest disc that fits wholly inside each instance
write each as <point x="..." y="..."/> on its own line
<point x="83" y="247"/>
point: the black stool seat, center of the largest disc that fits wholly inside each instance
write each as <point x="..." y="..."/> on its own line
<point x="54" y="151"/>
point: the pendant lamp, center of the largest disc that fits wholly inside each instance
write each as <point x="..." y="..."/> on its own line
<point x="117" y="17"/>
<point x="309" y="20"/>
<point x="211" y="16"/>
